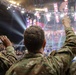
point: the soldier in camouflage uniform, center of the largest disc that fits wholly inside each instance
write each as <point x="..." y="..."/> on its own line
<point x="34" y="63"/>
<point x="7" y="59"/>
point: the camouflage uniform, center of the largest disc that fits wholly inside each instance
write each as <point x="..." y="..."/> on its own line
<point x="56" y="64"/>
<point x="72" y="69"/>
<point x="7" y="60"/>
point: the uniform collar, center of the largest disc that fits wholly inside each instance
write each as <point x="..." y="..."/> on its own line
<point x="33" y="55"/>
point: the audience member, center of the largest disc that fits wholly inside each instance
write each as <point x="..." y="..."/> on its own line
<point x="8" y="58"/>
<point x="34" y="63"/>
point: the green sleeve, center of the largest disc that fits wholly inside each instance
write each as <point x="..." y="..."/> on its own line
<point x="63" y="57"/>
<point x="7" y="59"/>
<point x="11" y="55"/>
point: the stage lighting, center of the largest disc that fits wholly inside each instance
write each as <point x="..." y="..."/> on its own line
<point x="46" y="9"/>
<point x="8" y="7"/>
<point x="48" y="15"/>
<point x="18" y="4"/>
<point x="22" y="10"/>
<point x="65" y="0"/>
<point x="62" y="15"/>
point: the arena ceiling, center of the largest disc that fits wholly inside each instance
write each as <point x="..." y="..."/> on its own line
<point x="7" y="21"/>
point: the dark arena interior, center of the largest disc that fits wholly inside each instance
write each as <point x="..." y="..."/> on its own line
<point x="17" y="15"/>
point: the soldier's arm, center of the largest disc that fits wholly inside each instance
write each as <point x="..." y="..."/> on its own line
<point x="70" y="35"/>
<point x="11" y="55"/>
<point x="10" y="52"/>
<point x="62" y="58"/>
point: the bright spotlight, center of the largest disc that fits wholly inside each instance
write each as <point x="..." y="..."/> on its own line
<point x="62" y="15"/>
<point x="46" y="9"/>
<point x="34" y="21"/>
<point x="36" y="13"/>
<point x="57" y="18"/>
<point x="8" y="7"/>
<point x="13" y="2"/>
<point x="23" y="11"/>
<point x="65" y="0"/>
<point x="75" y="17"/>
<point x="48" y="15"/>
<point x="18" y="4"/>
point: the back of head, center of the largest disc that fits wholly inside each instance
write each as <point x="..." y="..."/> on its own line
<point x="33" y="38"/>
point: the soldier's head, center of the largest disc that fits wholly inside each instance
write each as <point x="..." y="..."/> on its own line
<point x="34" y="38"/>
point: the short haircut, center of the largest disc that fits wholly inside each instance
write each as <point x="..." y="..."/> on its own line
<point x="33" y="38"/>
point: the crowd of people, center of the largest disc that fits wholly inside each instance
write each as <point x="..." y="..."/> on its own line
<point x="34" y="62"/>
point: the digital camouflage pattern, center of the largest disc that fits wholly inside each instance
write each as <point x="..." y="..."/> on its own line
<point x="7" y="60"/>
<point x="56" y="64"/>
